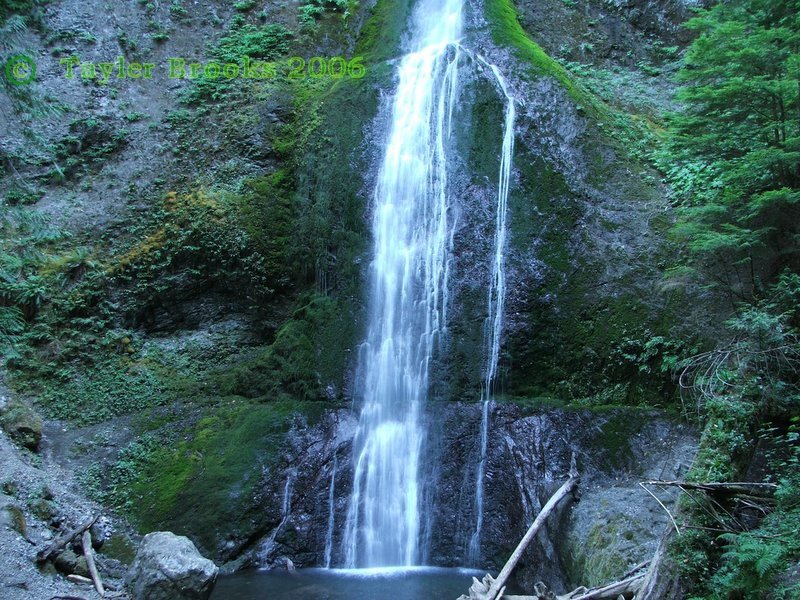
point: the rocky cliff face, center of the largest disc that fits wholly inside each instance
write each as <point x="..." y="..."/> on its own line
<point x="204" y="278"/>
<point x="614" y="526"/>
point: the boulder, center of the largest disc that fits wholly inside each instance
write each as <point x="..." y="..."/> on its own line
<point x="21" y="423"/>
<point x="169" y="567"/>
<point x="12" y="517"/>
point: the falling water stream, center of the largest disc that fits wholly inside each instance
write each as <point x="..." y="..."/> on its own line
<point x="331" y="516"/>
<point x="408" y="296"/>
<point x="495" y="307"/>
<point x="413" y="237"/>
<point x="286" y="506"/>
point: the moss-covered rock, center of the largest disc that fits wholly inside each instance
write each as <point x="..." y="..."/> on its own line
<point x="11" y="516"/>
<point x="21" y="423"/>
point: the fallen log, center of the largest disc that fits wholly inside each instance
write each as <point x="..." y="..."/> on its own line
<point x="492" y="589"/>
<point x="636" y="569"/>
<point x="79" y="579"/>
<point x="612" y="591"/>
<point x="661" y="581"/>
<point x="60" y="542"/>
<point x="562" y="492"/>
<point x="89" y="554"/>
<point x="757" y="490"/>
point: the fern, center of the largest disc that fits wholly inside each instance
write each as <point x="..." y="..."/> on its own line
<point x="750" y="564"/>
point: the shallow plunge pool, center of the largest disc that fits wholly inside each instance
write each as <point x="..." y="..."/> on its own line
<point x="397" y="583"/>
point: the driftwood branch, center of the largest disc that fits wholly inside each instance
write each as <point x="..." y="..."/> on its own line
<point x="566" y="489"/>
<point x="79" y="579"/>
<point x="636" y="569"/>
<point x="89" y="554"/>
<point x="612" y="590"/>
<point x="492" y="589"/>
<point x="661" y="504"/>
<point x="60" y="542"/>
<point x="757" y="490"/>
<point x="661" y="581"/>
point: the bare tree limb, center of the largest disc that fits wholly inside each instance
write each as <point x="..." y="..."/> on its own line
<point x="661" y="504"/>
<point x="757" y="490"/>
<point x="89" y="554"/>
<point x="497" y="586"/>
<point x="60" y="542"/>
<point x="613" y="590"/>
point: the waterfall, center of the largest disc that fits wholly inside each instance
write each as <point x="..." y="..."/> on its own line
<point x="331" y="498"/>
<point x="286" y="505"/>
<point x="408" y="295"/>
<point x="495" y="306"/>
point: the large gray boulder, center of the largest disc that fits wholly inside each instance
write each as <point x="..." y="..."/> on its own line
<point x="169" y="567"/>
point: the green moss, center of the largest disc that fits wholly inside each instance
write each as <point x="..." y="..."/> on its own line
<point x="121" y="548"/>
<point x="601" y="559"/>
<point x="203" y="483"/>
<point x="379" y="38"/>
<point x="507" y="31"/>
<point x="310" y="348"/>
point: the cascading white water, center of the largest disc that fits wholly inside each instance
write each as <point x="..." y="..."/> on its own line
<point x="286" y="505"/>
<point x="495" y="306"/>
<point x="408" y="296"/>
<point x="331" y="516"/>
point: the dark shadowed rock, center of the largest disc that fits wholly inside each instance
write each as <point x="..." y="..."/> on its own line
<point x="21" y="423"/>
<point x="169" y="567"/>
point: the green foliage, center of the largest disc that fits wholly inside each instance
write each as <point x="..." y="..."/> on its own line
<point x="759" y="363"/>
<point x="749" y="564"/>
<point x="30" y="10"/>
<point x="262" y="43"/>
<point x="177" y="11"/>
<point x="89" y="143"/>
<point x="310" y="12"/>
<point x="111" y="387"/>
<point x="737" y="386"/>
<point x="733" y="156"/>
<point x="194" y="240"/>
<point x="244" y="5"/>
<point x="26" y="237"/>
<point x="265" y="43"/>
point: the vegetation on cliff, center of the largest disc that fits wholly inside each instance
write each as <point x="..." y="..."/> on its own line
<point x="733" y="161"/>
<point x="225" y="298"/>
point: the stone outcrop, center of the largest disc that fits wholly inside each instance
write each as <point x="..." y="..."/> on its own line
<point x="528" y="458"/>
<point x="21" y="423"/>
<point x="169" y="567"/>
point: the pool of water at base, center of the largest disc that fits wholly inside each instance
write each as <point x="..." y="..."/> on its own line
<point x="396" y="583"/>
